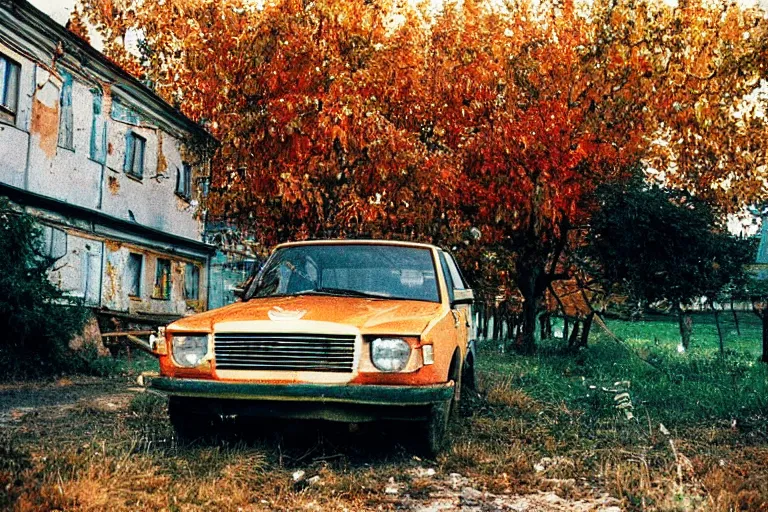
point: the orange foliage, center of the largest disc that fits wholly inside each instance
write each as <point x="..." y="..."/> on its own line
<point x="352" y="117"/>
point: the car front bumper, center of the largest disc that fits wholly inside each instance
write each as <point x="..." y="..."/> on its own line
<point x="311" y="401"/>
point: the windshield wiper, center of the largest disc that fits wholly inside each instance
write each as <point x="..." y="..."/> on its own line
<point x="345" y="292"/>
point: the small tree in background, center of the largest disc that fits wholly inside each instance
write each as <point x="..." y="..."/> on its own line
<point x="656" y="245"/>
<point x="36" y="319"/>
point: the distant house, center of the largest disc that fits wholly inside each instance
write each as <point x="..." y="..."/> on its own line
<point x="111" y="171"/>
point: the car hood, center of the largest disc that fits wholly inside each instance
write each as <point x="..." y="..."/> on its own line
<point x="370" y="316"/>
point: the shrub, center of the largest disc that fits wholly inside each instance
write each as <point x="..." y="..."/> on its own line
<point x="36" y="319"/>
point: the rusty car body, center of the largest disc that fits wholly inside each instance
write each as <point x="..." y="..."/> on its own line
<point x="338" y="330"/>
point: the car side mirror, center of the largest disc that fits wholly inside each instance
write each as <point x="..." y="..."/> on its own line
<point x="462" y="297"/>
<point x="239" y="292"/>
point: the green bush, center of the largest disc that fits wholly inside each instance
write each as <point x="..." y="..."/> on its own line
<point x="36" y="319"/>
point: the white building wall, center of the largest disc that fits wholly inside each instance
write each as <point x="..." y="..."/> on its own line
<point x="54" y="171"/>
<point x="97" y="248"/>
<point x="31" y="158"/>
<point x="14" y="138"/>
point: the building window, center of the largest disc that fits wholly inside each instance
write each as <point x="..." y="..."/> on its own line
<point x="184" y="180"/>
<point x="53" y="243"/>
<point x="9" y="88"/>
<point x="192" y="282"/>
<point x="134" y="155"/>
<point x="91" y="262"/>
<point x="98" y="129"/>
<point x="134" y="273"/>
<point x="162" y="279"/>
<point x="66" y="118"/>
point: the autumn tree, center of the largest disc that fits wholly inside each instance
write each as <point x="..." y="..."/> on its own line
<point x="342" y="118"/>
<point x="545" y="101"/>
<point x="655" y="245"/>
<point x="310" y="102"/>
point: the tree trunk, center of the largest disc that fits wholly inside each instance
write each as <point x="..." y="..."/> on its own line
<point x="486" y="319"/>
<point x="566" y="327"/>
<point x="735" y="319"/>
<point x="496" y="324"/>
<point x="532" y="295"/>
<point x="526" y="340"/>
<point x="764" y="317"/>
<point x="586" y="328"/>
<point x="573" y="339"/>
<point x="719" y="330"/>
<point x="543" y="323"/>
<point x="686" y="326"/>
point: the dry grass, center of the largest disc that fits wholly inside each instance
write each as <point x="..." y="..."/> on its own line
<point x="534" y="426"/>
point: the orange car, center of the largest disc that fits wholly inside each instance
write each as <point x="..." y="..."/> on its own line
<point x="339" y="330"/>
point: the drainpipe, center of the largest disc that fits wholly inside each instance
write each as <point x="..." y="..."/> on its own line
<point x="101" y="185"/>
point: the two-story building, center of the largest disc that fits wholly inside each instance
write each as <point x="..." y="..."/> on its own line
<point x="111" y="171"/>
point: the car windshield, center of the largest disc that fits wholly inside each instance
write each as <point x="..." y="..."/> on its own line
<point x="365" y="270"/>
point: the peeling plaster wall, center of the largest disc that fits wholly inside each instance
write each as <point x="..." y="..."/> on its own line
<point x="14" y="137"/>
<point x="79" y="273"/>
<point x="90" y="174"/>
<point x="31" y="157"/>
<point x="115" y="288"/>
<point x="65" y="174"/>
<point x="152" y="200"/>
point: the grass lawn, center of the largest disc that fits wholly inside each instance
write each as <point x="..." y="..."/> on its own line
<point x="546" y="422"/>
<point x="714" y="408"/>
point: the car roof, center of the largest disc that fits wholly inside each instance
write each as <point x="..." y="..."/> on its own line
<point x="358" y="242"/>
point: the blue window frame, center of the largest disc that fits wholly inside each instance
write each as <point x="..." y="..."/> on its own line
<point x="134" y="155"/>
<point x="9" y="88"/>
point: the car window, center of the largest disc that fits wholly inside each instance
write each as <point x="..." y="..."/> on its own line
<point x="447" y="275"/>
<point x="458" y="279"/>
<point x="383" y="271"/>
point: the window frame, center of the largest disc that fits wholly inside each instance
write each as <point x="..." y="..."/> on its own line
<point x="140" y="276"/>
<point x="98" y="152"/>
<point x="129" y="166"/>
<point x="10" y="109"/>
<point x="184" y="181"/>
<point x="195" y="271"/>
<point x="66" y="139"/>
<point x="162" y="294"/>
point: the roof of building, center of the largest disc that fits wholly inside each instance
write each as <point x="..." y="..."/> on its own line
<point x="45" y="34"/>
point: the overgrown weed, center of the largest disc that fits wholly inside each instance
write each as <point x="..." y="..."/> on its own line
<point x="548" y="421"/>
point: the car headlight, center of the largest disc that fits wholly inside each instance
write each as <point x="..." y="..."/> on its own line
<point x="189" y="350"/>
<point x="390" y="354"/>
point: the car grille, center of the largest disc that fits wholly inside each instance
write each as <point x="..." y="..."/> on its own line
<point x="286" y="352"/>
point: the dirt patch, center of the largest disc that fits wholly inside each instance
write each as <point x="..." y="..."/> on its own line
<point x="20" y="400"/>
<point x="456" y="493"/>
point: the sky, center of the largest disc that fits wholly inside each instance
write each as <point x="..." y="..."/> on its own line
<point x="59" y="10"/>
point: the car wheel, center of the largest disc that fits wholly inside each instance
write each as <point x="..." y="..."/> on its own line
<point x="189" y="427"/>
<point x="436" y="428"/>
<point x="440" y="416"/>
<point x="468" y="375"/>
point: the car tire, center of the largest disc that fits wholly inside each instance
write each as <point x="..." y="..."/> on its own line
<point x="440" y="416"/>
<point x="189" y="427"/>
<point x="469" y="375"/>
<point x="436" y="428"/>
